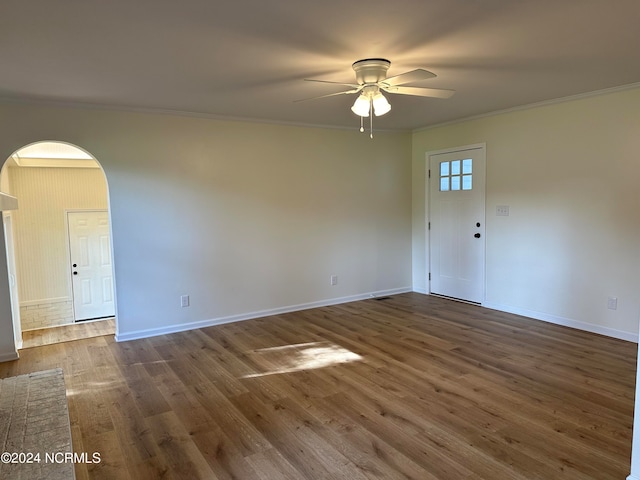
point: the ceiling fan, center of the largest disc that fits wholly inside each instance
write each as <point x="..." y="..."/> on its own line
<point x="371" y="81"/>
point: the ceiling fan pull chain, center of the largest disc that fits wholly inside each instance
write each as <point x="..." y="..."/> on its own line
<point x="371" y="120"/>
<point x="361" y="124"/>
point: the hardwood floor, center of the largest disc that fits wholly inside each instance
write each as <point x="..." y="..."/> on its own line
<point x="66" y="333"/>
<point x="413" y="387"/>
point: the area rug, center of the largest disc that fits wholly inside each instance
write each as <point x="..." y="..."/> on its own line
<point x="35" y="433"/>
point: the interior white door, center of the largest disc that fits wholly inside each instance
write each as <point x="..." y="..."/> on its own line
<point x="91" y="266"/>
<point x="457" y="223"/>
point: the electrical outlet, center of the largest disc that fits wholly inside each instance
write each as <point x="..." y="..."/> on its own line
<point x="184" y="301"/>
<point x="333" y="280"/>
<point x="612" y="303"/>
<point x="502" y="210"/>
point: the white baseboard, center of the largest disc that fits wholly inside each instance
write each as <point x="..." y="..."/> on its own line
<point x="633" y="477"/>
<point x="567" y="322"/>
<point x="9" y="356"/>
<point x="152" y="332"/>
<point x="421" y="290"/>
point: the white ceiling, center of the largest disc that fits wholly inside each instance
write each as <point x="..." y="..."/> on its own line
<point x="247" y="58"/>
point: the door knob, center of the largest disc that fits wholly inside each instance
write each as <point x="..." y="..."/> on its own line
<point x="75" y="273"/>
<point x="477" y="235"/>
<point x="75" y="265"/>
<point x="478" y="224"/>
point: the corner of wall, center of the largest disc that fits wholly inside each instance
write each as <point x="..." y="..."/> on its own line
<point x="9" y="356"/>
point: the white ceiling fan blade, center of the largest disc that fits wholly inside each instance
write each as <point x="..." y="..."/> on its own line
<point x="353" y="85"/>
<point x="346" y="92"/>
<point x="420" y="91"/>
<point x="409" y="77"/>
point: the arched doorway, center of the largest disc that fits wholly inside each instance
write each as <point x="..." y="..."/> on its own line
<point x="60" y="235"/>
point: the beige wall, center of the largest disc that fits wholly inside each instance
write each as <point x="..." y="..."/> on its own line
<point x="5" y="184"/>
<point x="245" y="218"/>
<point x="570" y="174"/>
<point x="40" y="228"/>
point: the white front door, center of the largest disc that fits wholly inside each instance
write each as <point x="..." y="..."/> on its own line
<point x="457" y="223"/>
<point x="91" y="266"/>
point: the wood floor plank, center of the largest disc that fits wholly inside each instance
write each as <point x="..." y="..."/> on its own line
<point x="410" y="387"/>
<point x="432" y="460"/>
<point x="270" y="465"/>
<point x="112" y="464"/>
<point x="372" y="457"/>
<point x="224" y="458"/>
<point x="312" y="458"/>
<point x="178" y="449"/>
<point x="130" y="426"/>
<point x="148" y="399"/>
<point x="246" y="437"/>
<point x="66" y="333"/>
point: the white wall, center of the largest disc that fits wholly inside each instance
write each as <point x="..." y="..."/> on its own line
<point x="245" y="218"/>
<point x="7" y="343"/>
<point x="569" y="173"/>
<point x="8" y="350"/>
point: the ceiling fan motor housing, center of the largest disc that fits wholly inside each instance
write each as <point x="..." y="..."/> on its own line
<point x="371" y="70"/>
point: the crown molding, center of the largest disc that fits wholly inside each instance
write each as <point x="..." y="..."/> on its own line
<point x="229" y="118"/>
<point x="544" y="103"/>
<point x="37" y="102"/>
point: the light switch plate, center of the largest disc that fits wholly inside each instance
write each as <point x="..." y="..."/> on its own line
<point x="502" y="210"/>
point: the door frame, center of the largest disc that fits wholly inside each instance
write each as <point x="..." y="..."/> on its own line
<point x="427" y="210"/>
<point x="4" y="171"/>
<point x="7" y="220"/>
<point x="68" y="253"/>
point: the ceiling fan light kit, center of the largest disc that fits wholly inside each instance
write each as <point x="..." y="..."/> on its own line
<point x="380" y="104"/>
<point x="361" y="106"/>
<point x="372" y="80"/>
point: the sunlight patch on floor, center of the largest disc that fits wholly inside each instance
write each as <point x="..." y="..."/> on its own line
<point x="302" y="356"/>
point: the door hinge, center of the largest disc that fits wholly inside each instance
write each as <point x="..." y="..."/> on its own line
<point x="429" y="173"/>
<point x="429" y="276"/>
<point x="429" y="227"/>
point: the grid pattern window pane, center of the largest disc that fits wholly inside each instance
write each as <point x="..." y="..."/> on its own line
<point x="456" y="175"/>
